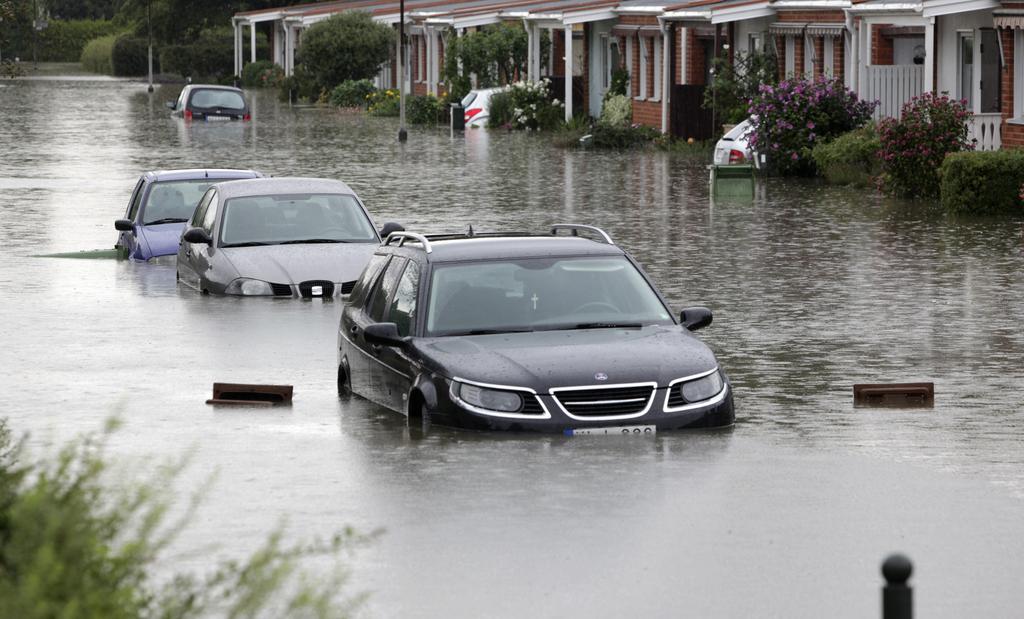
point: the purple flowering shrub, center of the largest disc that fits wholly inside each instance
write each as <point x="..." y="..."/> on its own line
<point x="797" y="114"/>
<point x="914" y="146"/>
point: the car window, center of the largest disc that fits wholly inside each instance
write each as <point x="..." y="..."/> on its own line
<point x="386" y="285"/>
<point x="200" y="212"/>
<point x="173" y="201"/>
<point x="403" y="307"/>
<point x="210" y="215"/>
<point x="296" y="218"/>
<point x="540" y="293"/>
<point x="180" y="103"/>
<point x="133" y="204"/>
<point x="469" y="98"/>
<point x="373" y="268"/>
<point x="227" y="99"/>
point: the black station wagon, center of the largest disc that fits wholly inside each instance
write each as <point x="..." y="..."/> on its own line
<point x="552" y="333"/>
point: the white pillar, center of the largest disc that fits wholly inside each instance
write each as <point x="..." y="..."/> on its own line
<point x="683" y="40"/>
<point x="529" y="50"/>
<point x="535" y="53"/>
<point x="568" y="73"/>
<point x="666" y="73"/>
<point x="252" y="42"/>
<point x="238" y="47"/>
<point x="929" y="55"/>
<point x="289" y="49"/>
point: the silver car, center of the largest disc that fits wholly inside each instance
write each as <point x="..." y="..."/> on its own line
<point x="734" y="147"/>
<point x="283" y="237"/>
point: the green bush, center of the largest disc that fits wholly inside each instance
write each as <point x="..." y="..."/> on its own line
<point x="495" y="53"/>
<point x="384" y="103"/>
<point x="352" y="93"/>
<point x="348" y="46"/>
<point x="298" y="87"/>
<point x="850" y="159"/>
<point x="209" y="57"/>
<point x="526" y="105"/>
<point x="424" y="110"/>
<point x="737" y="81"/>
<point x="500" y="109"/>
<point x="262" y="74"/>
<point x="608" y="136"/>
<point x="64" y="41"/>
<point x="617" y="111"/>
<point x="989" y="182"/>
<point x="130" y="57"/>
<point x="73" y="546"/>
<point x="97" y="53"/>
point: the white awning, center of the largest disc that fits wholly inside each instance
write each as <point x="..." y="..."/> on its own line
<point x="787" y="27"/>
<point x="1008" y="21"/>
<point x="826" y="30"/>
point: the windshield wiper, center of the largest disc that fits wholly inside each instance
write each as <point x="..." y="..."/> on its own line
<point x="166" y="220"/>
<point x="297" y="241"/>
<point x="608" y="325"/>
<point x="246" y="244"/>
<point x="491" y="331"/>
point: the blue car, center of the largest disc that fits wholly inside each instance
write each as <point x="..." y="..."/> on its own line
<point x="162" y="202"/>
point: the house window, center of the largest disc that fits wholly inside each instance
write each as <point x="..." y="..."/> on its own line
<point x="657" y="69"/>
<point x="965" y="68"/>
<point x="828" y="51"/>
<point x="790" y="55"/>
<point x="643" y="69"/>
<point x="990" y="72"/>
<point x="808" y="56"/>
<point x="629" y="61"/>
<point x="1018" y="74"/>
<point x="755" y="41"/>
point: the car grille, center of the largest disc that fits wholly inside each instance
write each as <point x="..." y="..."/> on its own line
<point x="346" y="287"/>
<point x="531" y="406"/>
<point x="326" y="288"/>
<point x="611" y="401"/>
<point x="281" y="290"/>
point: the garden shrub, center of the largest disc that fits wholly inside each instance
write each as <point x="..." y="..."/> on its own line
<point x="262" y="74"/>
<point x="352" y="93"/>
<point x="495" y="53"/>
<point x="64" y="41"/>
<point x="299" y="86"/>
<point x="97" y="53"/>
<point x="11" y="69"/>
<point x="990" y="182"/>
<point x="850" y="159"/>
<point x="792" y="117"/>
<point x="913" y="147"/>
<point x="611" y="136"/>
<point x="209" y="57"/>
<point x="736" y="82"/>
<point x="526" y="105"/>
<point x="129" y="57"/>
<point x="424" y="110"/>
<point x="617" y="111"/>
<point x="348" y="46"/>
<point x="384" y="103"/>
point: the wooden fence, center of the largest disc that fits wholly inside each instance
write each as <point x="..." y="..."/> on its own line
<point x="892" y="86"/>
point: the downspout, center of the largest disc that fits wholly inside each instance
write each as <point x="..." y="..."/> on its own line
<point x="666" y="70"/>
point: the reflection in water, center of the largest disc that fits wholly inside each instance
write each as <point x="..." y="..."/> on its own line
<point x="814" y="288"/>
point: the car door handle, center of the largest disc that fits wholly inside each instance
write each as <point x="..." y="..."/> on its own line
<point x="375" y="348"/>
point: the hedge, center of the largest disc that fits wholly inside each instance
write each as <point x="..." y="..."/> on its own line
<point x="983" y="182"/>
<point x="61" y="41"/>
<point x="850" y="159"/>
<point x="96" y="55"/>
<point x="211" y="56"/>
<point x="130" y="56"/>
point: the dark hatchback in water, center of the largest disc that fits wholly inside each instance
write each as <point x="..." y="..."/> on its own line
<point x="551" y="333"/>
<point x="210" y="102"/>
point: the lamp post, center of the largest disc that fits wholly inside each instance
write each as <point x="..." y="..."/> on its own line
<point x="149" y="34"/>
<point x="403" y="135"/>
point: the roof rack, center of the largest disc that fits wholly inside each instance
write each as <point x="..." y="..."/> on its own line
<point x="404" y="236"/>
<point x="576" y="231"/>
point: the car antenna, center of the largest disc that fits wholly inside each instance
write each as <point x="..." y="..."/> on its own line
<point x="469" y="231"/>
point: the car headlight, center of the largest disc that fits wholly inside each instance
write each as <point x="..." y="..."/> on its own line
<point x="489" y="399"/>
<point x="702" y="388"/>
<point x="249" y="287"/>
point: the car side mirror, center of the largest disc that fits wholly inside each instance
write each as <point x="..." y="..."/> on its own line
<point x="389" y="228"/>
<point x="385" y="334"/>
<point x="694" y="318"/>
<point x="197" y="235"/>
<point x="123" y="225"/>
<point x="169" y="104"/>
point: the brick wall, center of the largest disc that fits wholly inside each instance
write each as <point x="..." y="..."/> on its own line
<point x="819" y="56"/>
<point x="780" y="57"/>
<point x="838" y="57"/>
<point x="695" y="61"/>
<point x="811" y="17"/>
<point x="881" y="47"/>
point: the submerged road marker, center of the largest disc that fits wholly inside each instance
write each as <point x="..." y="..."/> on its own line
<point x="894" y="394"/>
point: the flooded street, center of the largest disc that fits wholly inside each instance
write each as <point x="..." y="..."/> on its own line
<point x="788" y="514"/>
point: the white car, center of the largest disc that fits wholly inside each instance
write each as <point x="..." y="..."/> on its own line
<point x="477" y="106"/>
<point x="734" y="148"/>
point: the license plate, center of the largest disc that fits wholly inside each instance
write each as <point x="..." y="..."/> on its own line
<point x="614" y="430"/>
<point x="213" y="118"/>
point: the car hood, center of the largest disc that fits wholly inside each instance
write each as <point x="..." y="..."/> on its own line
<point x="542" y="360"/>
<point x="292" y="264"/>
<point x="162" y="239"/>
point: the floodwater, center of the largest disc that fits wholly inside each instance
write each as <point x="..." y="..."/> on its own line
<point x="788" y="514"/>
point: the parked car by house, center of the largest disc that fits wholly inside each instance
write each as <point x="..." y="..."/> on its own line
<point x="283" y="237"/>
<point x="734" y="147"/>
<point x="163" y="200"/>
<point x="548" y="333"/>
<point x="210" y="103"/>
<point x="477" y="106"/>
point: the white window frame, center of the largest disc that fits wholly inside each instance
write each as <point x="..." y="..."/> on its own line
<point x="829" y="51"/>
<point x="808" y="56"/>
<point x="790" y="55"/>
<point x="971" y="99"/>
<point x="755" y="42"/>
<point x="657" y="69"/>
<point x="642" y="95"/>
<point x="1018" y="77"/>
<point x="629" y="61"/>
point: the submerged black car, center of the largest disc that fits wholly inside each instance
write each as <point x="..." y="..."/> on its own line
<point x="550" y="333"/>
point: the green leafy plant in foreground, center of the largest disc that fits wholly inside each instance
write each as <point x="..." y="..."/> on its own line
<point x="73" y="546"/>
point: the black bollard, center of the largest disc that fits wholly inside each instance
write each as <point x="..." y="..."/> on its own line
<point x="897" y="595"/>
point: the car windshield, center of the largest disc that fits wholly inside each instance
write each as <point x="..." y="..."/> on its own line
<point x="295" y="218"/>
<point x="538" y="294"/>
<point x="225" y="99"/>
<point x="174" y="201"/>
<point x="469" y="98"/>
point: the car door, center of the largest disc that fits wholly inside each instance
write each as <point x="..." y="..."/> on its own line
<point x="376" y="309"/>
<point x="194" y="258"/>
<point x="353" y="320"/>
<point x="396" y="367"/>
<point x="127" y="239"/>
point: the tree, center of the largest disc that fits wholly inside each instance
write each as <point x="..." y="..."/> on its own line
<point x="348" y="46"/>
<point x="496" y="54"/>
<point x="83" y="9"/>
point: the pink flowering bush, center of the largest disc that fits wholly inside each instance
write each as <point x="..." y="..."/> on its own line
<point x="914" y="146"/>
<point x="793" y="117"/>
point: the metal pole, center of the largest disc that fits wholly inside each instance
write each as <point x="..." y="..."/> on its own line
<point x="403" y="135"/>
<point x="149" y="34"/>
<point x="897" y="595"/>
<point x="35" y="35"/>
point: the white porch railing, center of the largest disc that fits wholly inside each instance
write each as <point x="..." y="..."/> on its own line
<point x="892" y="86"/>
<point x="987" y="129"/>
